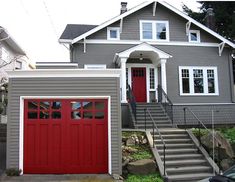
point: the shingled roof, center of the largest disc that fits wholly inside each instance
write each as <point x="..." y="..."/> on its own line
<point x="74" y="30"/>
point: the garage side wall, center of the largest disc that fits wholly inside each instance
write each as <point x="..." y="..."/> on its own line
<point x="63" y="87"/>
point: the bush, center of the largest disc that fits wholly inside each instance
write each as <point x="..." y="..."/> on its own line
<point x="13" y="172"/>
<point x="228" y="133"/>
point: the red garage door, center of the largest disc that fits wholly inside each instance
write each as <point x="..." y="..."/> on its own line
<point x="65" y="136"/>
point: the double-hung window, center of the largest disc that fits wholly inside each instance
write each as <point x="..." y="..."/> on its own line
<point x="198" y="80"/>
<point x="154" y="30"/>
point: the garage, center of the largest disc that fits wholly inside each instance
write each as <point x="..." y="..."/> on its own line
<point x="64" y="122"/>
<point x="65" y="136"/>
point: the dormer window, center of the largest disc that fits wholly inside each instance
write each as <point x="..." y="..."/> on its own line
<point x="194" y="36"/>
<point x="154" y="30"/>
<point x="113" y="33"/>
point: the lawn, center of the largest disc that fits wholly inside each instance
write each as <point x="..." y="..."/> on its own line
<point x="144" y="178"/>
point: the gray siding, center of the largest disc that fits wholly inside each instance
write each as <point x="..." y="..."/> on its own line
<point x="223" y="114"/>
<point x="182" y="56"/>
<point x="62" y="87"/>
<point x="131" y="26"/>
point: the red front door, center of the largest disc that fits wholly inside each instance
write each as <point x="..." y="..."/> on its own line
<point x="139" y="84"/>
<point x="65" y="136"/>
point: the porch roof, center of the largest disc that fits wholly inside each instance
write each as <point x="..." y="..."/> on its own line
<point x="145" y="49"/>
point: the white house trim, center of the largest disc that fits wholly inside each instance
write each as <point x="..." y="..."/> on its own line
<point x="21" y="132"/>
<point x="116" y="29"/>
<point x="67" y="64"/>
<point x="42" y="73"/>
<point x="198" y="36"/>
<point x="129" y="66"/>
<point x="205" y="81"/>
<point x="188" y="25"/>
<point x="154" y="8"/>
<point x="154" y="30"/>
<point x="136" y="42"/>
<point x="221" y="48"/>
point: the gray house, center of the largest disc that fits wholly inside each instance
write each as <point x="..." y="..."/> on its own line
<point x="156" y="44"/>
<point x="66" y="118"/>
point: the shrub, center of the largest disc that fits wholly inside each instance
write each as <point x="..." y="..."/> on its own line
<point x="13" y="172"/>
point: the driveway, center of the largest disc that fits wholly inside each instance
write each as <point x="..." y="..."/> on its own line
<point x="59" y="178"/>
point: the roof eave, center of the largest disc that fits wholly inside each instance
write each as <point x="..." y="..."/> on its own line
<point x="111" y="21"/>
<point x="65" y="41"/>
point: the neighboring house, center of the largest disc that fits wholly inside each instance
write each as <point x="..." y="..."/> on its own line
<point x="12" y="57"/>
<point x="156" y="44"/>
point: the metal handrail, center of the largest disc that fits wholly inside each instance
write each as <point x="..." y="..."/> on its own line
<point x="165" y="102"/>
<point x="131" y="100"/>
<point x="146" y="110"/>
<point x="200" y="123"/>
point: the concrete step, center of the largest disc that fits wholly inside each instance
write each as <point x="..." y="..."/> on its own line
<point x="189" y="177"/>
<point x="176" y="146"/>
<point x="174" y="141"/>
<point x="172" y="131"/>
<point x="188" y="169"/>
<point x="142" y="126"/>
<point x="173" y="136"/>
<point x="152" y="111"/>
<point x="192" y="162"/>
<point x="182" y="156"/>
<point x="151" y="123"/>
<point x="179" y="151"/>
<point x="156" y="118"/>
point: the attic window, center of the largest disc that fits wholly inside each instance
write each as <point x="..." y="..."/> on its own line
<point x="113" y="33"/>
<point x="194" y="36"/>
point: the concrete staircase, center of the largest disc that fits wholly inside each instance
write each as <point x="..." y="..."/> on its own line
<point x="184" y="161"/>
<point x="158" y="113"/>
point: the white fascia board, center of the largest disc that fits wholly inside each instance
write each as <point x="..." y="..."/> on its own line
<point x="57" y="64"/>
<point x="135" y="42"/>
<point x="47" y="73"/>
<point x="109" y="22"/>
<point x="65" y="41"/>
<point x="196" y="23"/>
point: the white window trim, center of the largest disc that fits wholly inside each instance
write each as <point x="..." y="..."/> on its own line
<point x="113" y="28"/>
<point x="21" y="127"/>
<point x="198" y="36"/>
<point x="95" y="66"/>
<point x="154" y="30"/>
<point x="147" y="66"/>
<point x="205" y="81"/>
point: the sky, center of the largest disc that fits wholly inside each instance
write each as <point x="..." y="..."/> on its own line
<point x="36" y="25"/>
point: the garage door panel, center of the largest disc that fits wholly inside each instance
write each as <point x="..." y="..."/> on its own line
<point x="30" y="145"/>
<point x="66" y="136"/>
<point x="56" y="142"/>
<point x="87" y="145"/>
<point x="43" y="145"/>
<point x="75" y="143"/>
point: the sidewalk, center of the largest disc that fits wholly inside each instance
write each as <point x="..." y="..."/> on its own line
<point x="59" y="178"/>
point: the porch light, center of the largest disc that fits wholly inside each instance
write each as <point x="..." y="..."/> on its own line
<point x="233" y="55"/>
<point x="141" y="57"/>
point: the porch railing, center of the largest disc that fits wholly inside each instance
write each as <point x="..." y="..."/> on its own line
<point x="200" y="125"/>
<point x="131" y="100"/>
<point x="166" y="102"/>
<point x="156" y="130"/>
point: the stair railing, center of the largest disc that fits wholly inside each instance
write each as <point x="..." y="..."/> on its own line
<point x="154" y="127"/>
<point x="200" y="125"/>
<point x="131" y="100"/>
<point x="166" y="102"/>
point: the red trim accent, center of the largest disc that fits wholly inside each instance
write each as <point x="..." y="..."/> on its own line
<point x="139" y="84"/>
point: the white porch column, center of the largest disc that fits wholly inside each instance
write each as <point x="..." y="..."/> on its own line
<point x="163" y="75"/>
<point x="123" y="77"/>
